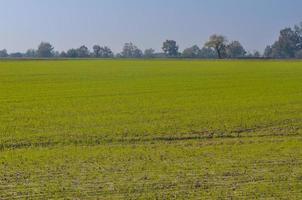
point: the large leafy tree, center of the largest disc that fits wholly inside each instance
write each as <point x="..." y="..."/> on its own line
<point x="191" y="52"/>
<point x="45" y="50"/>
<point x="96" y="50"/>
<point x="288" y="45"/>
<point x="235" y="50"/>
<point x="131" y="51"/>
<point x="218" y="43"/>
<point x="106" y="52"/>
<point x="83" y="52"/>
<point x="102" y="52"/>
<point x="170" y="48"/>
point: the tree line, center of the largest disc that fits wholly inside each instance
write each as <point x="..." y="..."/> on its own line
<point x="288" y="45"/>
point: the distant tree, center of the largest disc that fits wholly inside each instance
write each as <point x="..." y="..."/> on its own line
<point x="72" y="53"/>
<point x="170" y="48"/>
<point x="159" y="55"/>
<point x="106" y="52"/>
<point x="96" y="50"/>
<point x="208" y="53"/>
<point x="191" y="52"/>
<point x="217" y="42"/>
<point x="118" y="55"/>
<point x="83" y="52"/>
<point x="3" y="53"/>
<point x="56" y="54"/>
<point x="131" y="51"/>
<point x="287" y="45"/>
<point x="45" y="50"/>
<point x="149" y="53"/>
<point x="235" y="50"/>
<point x="16" y="55"/>
<point x="63" y="54"/>
<point x="268" y="51"/>
<point x="256" y="54"/>
<point x="31" y="53"/>
<point x="298" y="32"/>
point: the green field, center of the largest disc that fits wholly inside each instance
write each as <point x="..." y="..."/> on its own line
<point x="150" y="129"/>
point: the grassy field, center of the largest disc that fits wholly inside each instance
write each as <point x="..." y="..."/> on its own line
<point x="150" y="130"/>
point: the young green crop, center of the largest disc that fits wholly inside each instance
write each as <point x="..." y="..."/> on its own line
<point x="150" y="129"/>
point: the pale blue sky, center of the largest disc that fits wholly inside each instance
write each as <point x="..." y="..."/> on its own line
<point x="147" y="23"/>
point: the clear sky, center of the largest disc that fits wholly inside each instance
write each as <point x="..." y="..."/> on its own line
<point x="146" y="23"/>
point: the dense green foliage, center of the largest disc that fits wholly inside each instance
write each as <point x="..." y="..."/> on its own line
<point x="150" y="129"/>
